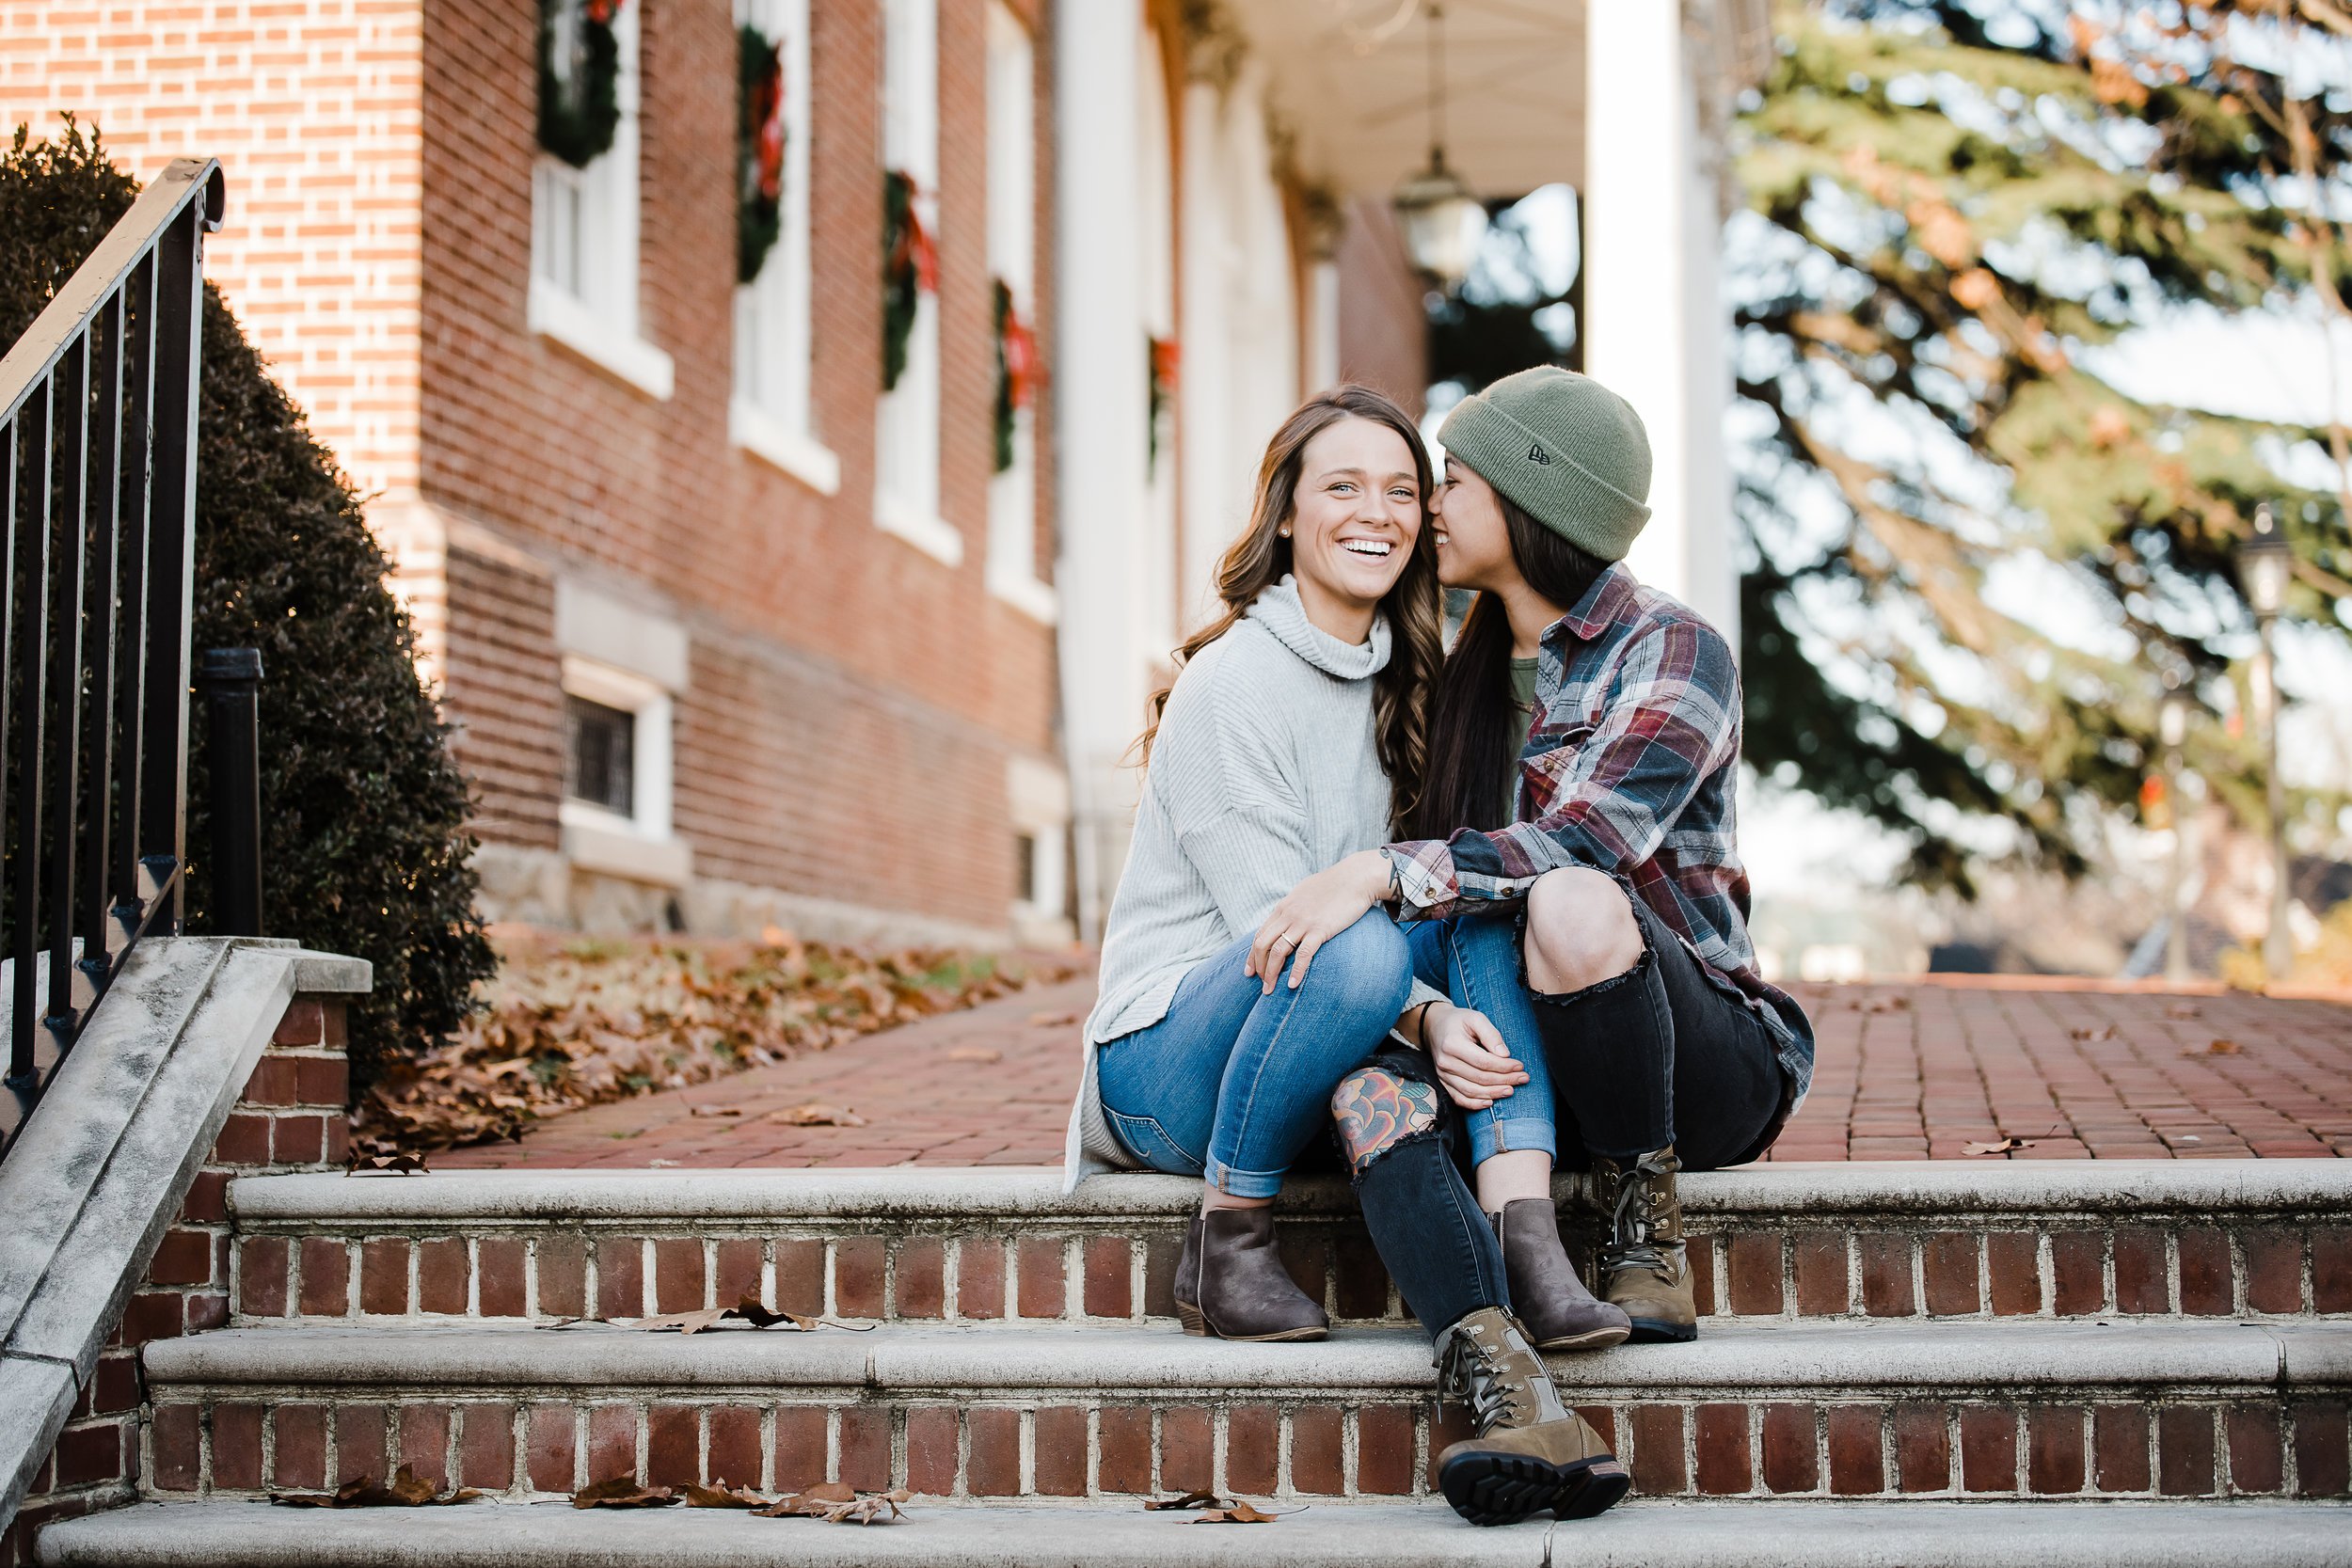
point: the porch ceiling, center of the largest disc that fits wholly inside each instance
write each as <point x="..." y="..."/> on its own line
<point x="1352" y="76"/>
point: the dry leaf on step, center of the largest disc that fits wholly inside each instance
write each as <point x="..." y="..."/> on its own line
<point x="2184" y="1009"/>
<point x="622" y="1492"/>
<point x="814" y="1503"/>
<point x="2222" y="1048"/>
<point x="750" y="1310"/>
<point x="398" y="1164"/>
<point x="868" y="1509"/>
<point x="974" y="1054"/>
<point x="1190" y="1499"/>
<point x="685" y="1322"/>
<point x="2001" y="1146"/>
<point x="1053" y="1021"/>
<point x="724" y="1496"/>
<point x="1240" y="1513"/>
<point x="815" y="1114"/>
<point x="2105" y="1032"/>
<point x="714" y="1110"/>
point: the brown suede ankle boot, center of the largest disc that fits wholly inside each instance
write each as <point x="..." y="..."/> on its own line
<point x="1231" y="1282"/>
<point x="1532" y="1451"/>
<point x="1552" y="1302"/>
<point x="1647" y="1272"/>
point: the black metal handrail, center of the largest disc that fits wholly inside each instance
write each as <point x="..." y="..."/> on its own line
<point x="98" y="406"/>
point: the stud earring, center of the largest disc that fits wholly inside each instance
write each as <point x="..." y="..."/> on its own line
<point x="1282" y="533"/>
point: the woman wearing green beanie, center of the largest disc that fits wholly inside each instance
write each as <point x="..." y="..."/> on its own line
<point x="1573" y="871"/>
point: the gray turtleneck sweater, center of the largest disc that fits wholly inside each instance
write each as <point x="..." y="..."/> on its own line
<point x="1263" y="772"/>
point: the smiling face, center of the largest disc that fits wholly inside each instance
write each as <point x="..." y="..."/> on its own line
<point x="1473" y="542"/>
<point x="1354" y="518"/>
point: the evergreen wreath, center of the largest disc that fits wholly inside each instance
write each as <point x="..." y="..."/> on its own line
<point x="909" y="270"/>
<point x="580" y="78"/>
<point x="758" y="150"/>
<point x="1016" y="370"/>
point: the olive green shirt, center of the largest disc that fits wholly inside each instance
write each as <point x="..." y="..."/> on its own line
<point x="1523" y="705"/>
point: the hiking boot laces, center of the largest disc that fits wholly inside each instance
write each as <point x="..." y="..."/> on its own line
<point x="1467" y="1373"/>
<point x="1632" y="1221"/>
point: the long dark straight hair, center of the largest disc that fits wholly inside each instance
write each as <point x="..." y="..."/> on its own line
<point x="1258" y="559"/>
<point x="1472" y="760"/>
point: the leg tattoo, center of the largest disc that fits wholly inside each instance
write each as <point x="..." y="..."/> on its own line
<point x="1377" y="1110"/>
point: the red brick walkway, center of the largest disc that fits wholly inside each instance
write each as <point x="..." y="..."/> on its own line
<point x="1905" y="1071"/>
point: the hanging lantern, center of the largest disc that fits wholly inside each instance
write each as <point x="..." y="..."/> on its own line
<point x="1443" y="220"/>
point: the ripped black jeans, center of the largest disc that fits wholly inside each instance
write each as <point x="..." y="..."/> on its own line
<point x="1401" y="1135"/>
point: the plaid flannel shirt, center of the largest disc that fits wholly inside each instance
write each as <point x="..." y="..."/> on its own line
<point x="1630" y="768"/>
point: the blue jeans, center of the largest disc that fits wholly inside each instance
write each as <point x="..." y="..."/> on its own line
<point x="1231" y="1084"/>
<point x="1474" y="959"/>
<point x="1664" y="1054"/>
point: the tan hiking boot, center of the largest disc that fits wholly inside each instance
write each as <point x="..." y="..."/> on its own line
<point x="1647" y="1270"/>
<point x="1552" y="1304"/>
<point x="1532" y="1451"/>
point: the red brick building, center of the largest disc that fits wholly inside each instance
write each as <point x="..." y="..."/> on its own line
<point x="723" y="625"/>
<point x="735" y="636"/>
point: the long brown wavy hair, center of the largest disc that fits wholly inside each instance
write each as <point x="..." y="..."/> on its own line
<point x="1260" y="558"/>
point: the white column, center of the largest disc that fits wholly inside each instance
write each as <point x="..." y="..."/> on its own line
<point x="1654" y="326"/>
<point x="1101" y="398"/>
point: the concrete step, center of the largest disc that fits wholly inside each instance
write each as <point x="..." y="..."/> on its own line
<point x="1634" y="1535"/>
<point x="2268" y="1239"/>
<point x="1822" y="1410"/>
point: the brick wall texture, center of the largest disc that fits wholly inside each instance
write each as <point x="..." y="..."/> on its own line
<point x="854" y="701"/>
<point x="290" y="1118"/>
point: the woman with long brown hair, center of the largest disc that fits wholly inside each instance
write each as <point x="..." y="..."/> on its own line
<point x="1290" y="738"/>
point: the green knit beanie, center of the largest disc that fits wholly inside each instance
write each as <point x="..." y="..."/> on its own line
<point x="1570" y="453"/>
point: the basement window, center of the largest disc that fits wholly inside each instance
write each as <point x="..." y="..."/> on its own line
<point x="603" y="755"/>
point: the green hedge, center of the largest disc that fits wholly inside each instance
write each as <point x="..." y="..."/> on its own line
<point x="363" y="813"/>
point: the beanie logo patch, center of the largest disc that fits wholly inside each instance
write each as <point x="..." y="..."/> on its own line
<point x="1535" y="456"/>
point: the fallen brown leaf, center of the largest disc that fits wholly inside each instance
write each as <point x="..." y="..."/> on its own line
<point x="724" y="1496"/>
<point x="622" y="1492"/>
<point x="750" y="1310"/>
<point x="974" y="1054"/>
<point x="812" y="1504"/>
<point x="1053" y="1021"/>
<point x="407" y="1489"/>
<point x="2002" y="1147"/>
<point x="815" y="1114"/>
<point x="2222" y="1048"/>
<point x="2182" y="1009"/>
<point x="1240" y="1513"/>
<point x="398" y="1164"/>
<point x="868" y="1509"/>
<point x="714" y="1110"/>
<point x="1190" y="1499"/>
<point x="2105" y="1032"/>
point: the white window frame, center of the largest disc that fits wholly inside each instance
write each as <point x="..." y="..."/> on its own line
<point x="772" y="414"/>
<point x="583" y="245"/>
<point x="1012" y="258"/>
<point x="641" y="844"/>
<point x="906" y="445"/>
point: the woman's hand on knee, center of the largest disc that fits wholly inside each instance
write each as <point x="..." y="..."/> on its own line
<point x="1312" y="913"/>
<point x="1471" y="1060"/>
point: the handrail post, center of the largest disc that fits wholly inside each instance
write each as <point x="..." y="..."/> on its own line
<point x="230" y="680"/>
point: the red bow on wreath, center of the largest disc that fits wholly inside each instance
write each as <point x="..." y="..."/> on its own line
<point x="1021" y="358"/>
<point x="601" y="12"/>
<point x="767" y="110"/>
<point x="915" y="244"/>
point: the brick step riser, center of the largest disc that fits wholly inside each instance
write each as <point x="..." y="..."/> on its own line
<point x="2242" y="1267"/>
<point x="2071" y="1444"/>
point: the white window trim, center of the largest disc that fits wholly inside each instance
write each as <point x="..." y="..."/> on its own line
<point x="784" y="435"/>
<point x="1011" y="257"/>
<point x="650" y="788"/>
<point x="788" y="451"/>
<point x="603" y="332"/>
<point x="911" y="143"/>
